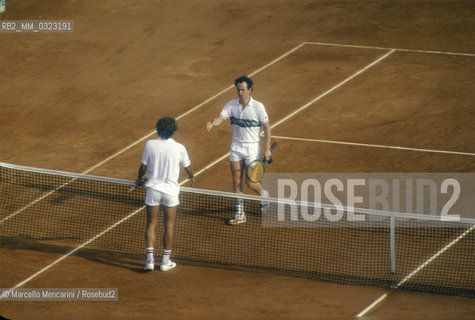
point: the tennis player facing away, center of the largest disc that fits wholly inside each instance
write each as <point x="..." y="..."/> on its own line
<point x="247" y="117"/>
<point x="161" y="162"/>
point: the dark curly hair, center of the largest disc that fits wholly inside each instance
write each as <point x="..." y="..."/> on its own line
<point x="166" y="127"/>
<point x="245" y="79"/>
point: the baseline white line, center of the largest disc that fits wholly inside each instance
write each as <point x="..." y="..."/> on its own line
<point x="333" y="88"/>
<point x="374" y="145"/>
<point x="383" y="48"/>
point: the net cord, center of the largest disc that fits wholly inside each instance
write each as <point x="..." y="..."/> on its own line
<point x="371" y="212"/>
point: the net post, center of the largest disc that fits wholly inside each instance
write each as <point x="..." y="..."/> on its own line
<point x="392" y="244"/>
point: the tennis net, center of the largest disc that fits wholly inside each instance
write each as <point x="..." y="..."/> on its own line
<point x="388" y="250"/>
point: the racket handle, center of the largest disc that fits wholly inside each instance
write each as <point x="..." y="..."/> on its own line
<point x="272" y="147"/>
<point x="138" y="183"/>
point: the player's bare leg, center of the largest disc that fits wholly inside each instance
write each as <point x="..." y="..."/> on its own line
<point x="152" y="219"/>
<point x="237" y="172"/>
<point x="169" y="218"/>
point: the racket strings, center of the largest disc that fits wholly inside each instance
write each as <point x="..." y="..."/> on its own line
<point x="255" y="171"/>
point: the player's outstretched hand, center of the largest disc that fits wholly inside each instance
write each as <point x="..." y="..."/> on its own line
<point x="209" y="125"/>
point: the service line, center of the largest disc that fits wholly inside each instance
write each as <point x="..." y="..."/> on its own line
<point x="375" y="145"/>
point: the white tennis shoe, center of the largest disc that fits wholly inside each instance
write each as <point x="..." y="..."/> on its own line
<point x="150" y="266"/>
<point x="167" y="266"/>
<point x="265" y="203"/>
<point x="238" y="218"/>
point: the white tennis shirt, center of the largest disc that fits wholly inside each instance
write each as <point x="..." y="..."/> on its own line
<point x="163" y="158"/>
<point x="247" y="122"/>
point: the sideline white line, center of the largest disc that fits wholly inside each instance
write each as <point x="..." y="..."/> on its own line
<point x="202" y="170"/>
<point x="213" y="163"/>
<point x="436" y="255"/>
<point x="208" y="166"/>
<point x="71" y="252"/>
<point x="371" y="306"/>
<point x="374" y="145"/>
<point x="282" y="56"/>
<point x="383" y="48"/>
<point x="334" y="88"/>
<point x="117" y="154"/>
<point x="133" y="144"/>
<point x="124" y="150"/>
<point x="416" y="270"/>
<point x="306" y="105"/>
<point x="277" y="59"/>
<point x="11" y="215"/>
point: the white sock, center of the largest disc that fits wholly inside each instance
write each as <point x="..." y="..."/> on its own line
<point x="166" y="256"/>
<point x="150" y="254"/>
<point x="264" y="193"/>
<point x="239" y="207"/>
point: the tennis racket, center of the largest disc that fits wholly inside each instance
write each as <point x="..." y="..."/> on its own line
<point x="256" y="169"/>
<point x="138" y="183"/>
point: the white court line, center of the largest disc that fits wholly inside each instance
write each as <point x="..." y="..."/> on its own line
<point x="354" y="75"/>
<point x="210" y="165"/>
<point x="374" y="145"/>
<point x="193" y="109"/>
<point x="396" y="49"/>
<point x="222" y="157"/>
<point x="416" y="270"/>
<point x="133" y="144"/>
<point x="196" y="107"/>
<point x="305" y="106"/>
<point x="435" y="256"/>
<point x="71" y="252"/>
<point x="115" y="155"/>
<point x="371" y="306"/>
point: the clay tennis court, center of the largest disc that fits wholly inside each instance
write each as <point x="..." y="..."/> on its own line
<point x="344" y="83"/>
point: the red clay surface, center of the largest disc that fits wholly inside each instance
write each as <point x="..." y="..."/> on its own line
<point x="70" y="101"/>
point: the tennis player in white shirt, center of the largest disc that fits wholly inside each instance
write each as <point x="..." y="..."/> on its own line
<point x="161" y="162"/>
<point x="248" y="117"/>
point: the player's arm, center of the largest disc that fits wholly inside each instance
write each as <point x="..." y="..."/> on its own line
<point x="191" y="174"/>
<point x="140" y="177"/>
<point x="142" y="172"/>
<point x="214" y="123"/>
<point x="267" y="139"/>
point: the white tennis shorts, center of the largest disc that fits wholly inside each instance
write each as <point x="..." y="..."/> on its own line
<point x="244" y="151"/>
<point x="155" y="198"/>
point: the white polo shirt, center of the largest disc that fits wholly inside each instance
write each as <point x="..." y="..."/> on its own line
<point x="163" y="158"/>
<point x="247" y="122"/>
